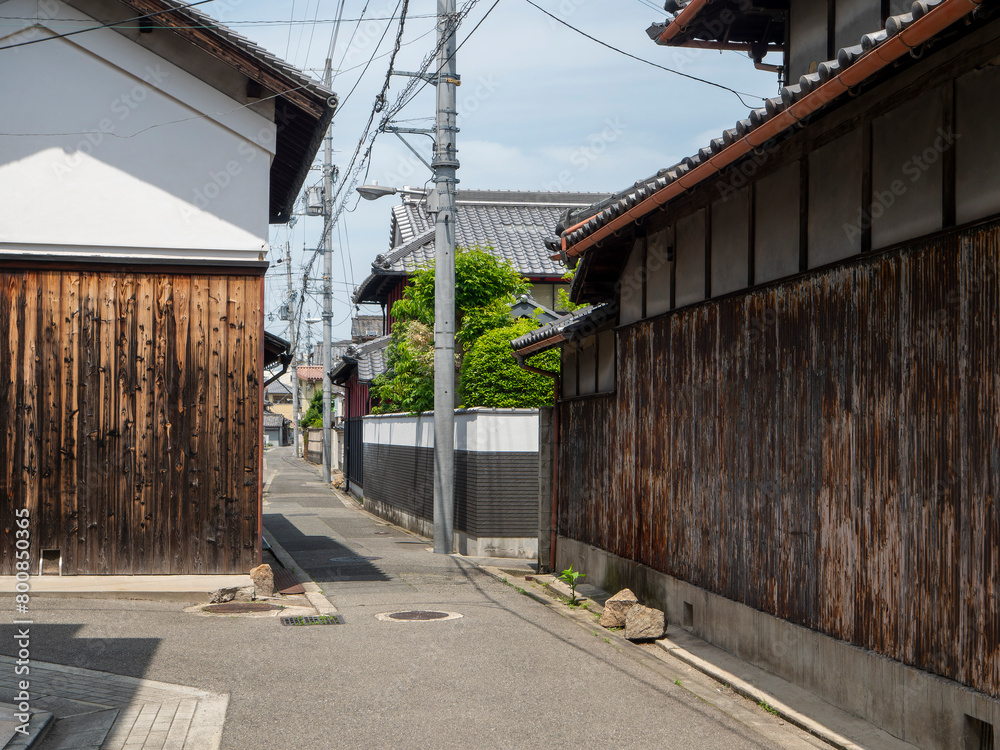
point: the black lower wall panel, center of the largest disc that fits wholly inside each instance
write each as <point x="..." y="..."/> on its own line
<point x="496" y="494"/>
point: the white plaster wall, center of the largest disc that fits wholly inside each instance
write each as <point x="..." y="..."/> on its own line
<point x="476" y="430"/>
<point x="107" y="149"/>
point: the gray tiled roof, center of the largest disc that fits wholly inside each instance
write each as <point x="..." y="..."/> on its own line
<point x="584" y="319"/>
<point x="277" y="388"/>
<point x="271" y="419"/>
<point x="514" y="225"/>
<point x="369" y="358"/>
<point x="605" y="211"/>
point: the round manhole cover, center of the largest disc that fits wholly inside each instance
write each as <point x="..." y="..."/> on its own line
<point x="417" y="615"/>
<point x="239" y="608"/>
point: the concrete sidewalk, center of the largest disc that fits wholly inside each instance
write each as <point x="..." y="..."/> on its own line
<point x="192" y="589"/>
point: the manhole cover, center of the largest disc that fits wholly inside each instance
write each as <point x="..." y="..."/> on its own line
<point x="239" y="608"/>
<point x="354" y="559"/>
<point x="313" y="620"/>
<point x="417" y="615"/>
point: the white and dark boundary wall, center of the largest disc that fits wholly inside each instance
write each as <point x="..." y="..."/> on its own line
<point x="496" y="477"/>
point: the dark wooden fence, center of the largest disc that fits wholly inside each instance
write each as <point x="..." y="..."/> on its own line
<point x="354" y="458"/>
<point x="825" y="450"/>
<point x="130" y="410"/>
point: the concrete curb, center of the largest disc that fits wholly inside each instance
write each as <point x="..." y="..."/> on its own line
<point x="313" y="592"/>
<point x="670" y="648"/>
<point x="758" y="696"/>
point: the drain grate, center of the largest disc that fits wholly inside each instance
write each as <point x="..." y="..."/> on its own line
<point x="357" y="559"/>
<point x="313" y="620"/>
<point x="239" y="608"/>
<point x="417" y="615"/>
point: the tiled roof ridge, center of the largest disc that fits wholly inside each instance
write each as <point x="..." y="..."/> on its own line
<point x="552" y="198"/>
<point x="605" y="211"/>
<point x="383" y="262"/>
<point x="357" y="351"/>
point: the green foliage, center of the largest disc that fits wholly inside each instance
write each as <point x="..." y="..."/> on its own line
<point x="491" y="376"/>
<point x="408" y="383"/>
<point x="485" y="288"/>
<point x="314" y="414"/>
<point x="563" y="303"/>
<point x="571" y="577"/>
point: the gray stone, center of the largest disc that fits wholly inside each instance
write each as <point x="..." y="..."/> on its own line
<point x="645" y="624"/>
<point x="222" y="596"/>
<point x="616" y="608"/>
<point x="263" y="580"/>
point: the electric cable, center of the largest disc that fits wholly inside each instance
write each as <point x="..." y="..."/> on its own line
<point x="102" y="26"/>
<point x="738" y="94"/>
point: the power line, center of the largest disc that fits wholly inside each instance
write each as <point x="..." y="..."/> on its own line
<point x="461" y="44"/>
<point x="102" y="26"/>
<point x="738" y="94"/>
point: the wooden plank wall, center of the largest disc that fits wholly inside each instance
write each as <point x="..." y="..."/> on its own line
<point x="826" y="450"/>
<point x="131" y="418"/>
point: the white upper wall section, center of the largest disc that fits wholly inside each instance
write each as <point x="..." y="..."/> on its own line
<point x="476" y="430"/>
<point x="108" y="149"/>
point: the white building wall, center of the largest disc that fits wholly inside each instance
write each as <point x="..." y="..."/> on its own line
<point x="108" y="149"/>
<point x="477" y="430"/>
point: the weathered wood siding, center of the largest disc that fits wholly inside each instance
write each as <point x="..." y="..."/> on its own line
<point x="825" y="450"/>
<point x="130" y="409"/>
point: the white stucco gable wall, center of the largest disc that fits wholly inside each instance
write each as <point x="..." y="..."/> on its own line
<point x="108" y="149"/>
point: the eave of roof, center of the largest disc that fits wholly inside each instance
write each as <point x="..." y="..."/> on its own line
<point x="853" y="66"/>
<point x="303" y="106"/>
<point x="723" y="25"/>
<point x="274" y="348"/>
<point x="558" y="332"/>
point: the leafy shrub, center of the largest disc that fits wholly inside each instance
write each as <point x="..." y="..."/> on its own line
<point x="491" y="376"/>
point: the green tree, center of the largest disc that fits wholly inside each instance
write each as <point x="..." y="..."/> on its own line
<point x="314" y="414"/>
<point x="492" y="377"/>
<point x="485" y="288"/>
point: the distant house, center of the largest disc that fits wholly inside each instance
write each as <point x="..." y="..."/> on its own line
<point x="277" y="428"/>
<point x="140" y="166"/>
<point x="511" y="225"/>
<point x="783" y="428"/>
<point x="358" y="367"/>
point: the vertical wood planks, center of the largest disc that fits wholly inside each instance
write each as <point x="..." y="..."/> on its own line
<point x="131" y="405"/>
<point x="826" y="450"/>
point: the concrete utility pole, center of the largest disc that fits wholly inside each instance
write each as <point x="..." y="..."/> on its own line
<point x="445" y="164"/>
<point x="327" y="290"/>
<point x="295" y="353"/>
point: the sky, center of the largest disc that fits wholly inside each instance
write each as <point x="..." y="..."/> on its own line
<point x="541" y="107"/>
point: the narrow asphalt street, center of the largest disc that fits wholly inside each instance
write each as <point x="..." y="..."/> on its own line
<point x="511" y="672"/>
